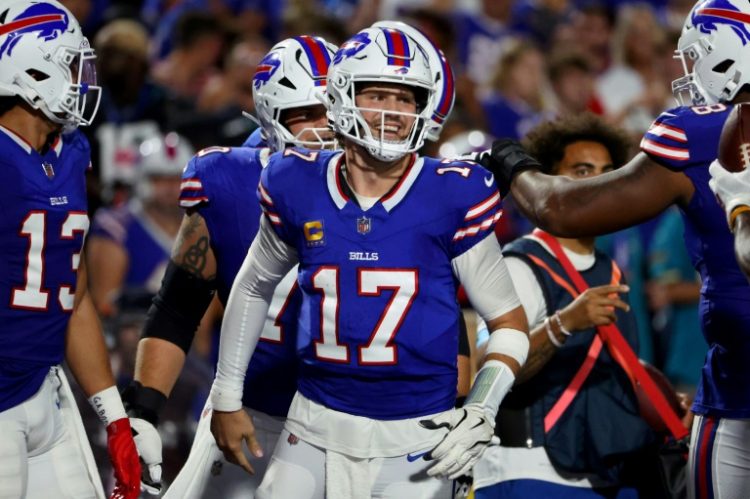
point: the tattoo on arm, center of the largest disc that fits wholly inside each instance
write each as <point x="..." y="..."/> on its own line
<point x="192" y="248"/>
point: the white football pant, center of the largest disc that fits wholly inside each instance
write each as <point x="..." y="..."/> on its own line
<point x="206" y="474"/>
<point x="298" y="471"/>
<point x="44" y="453"/>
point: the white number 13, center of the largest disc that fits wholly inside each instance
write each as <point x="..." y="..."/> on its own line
<point x="32" y="296"/>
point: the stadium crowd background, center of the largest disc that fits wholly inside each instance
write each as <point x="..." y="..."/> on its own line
<point x="185" y="66"/>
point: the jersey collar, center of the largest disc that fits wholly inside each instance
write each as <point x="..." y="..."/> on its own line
<point x="338" y="190"/>
<point x="57" y="145"/>
<point x="17" y="139"/>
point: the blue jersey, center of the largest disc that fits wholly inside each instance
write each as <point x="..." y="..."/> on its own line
<point x="147" y="245"/>
<point x="686" y="139"/>
<point x="221" y="183"/>
<point x="378" y="329"/>
<point x="42" y="230"/>
<point x="255" y="139"/>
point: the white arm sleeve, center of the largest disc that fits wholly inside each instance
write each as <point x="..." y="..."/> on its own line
<point x="266" y="263"/>
<point x="529" y="292"/>
<point x="485" y="277"/>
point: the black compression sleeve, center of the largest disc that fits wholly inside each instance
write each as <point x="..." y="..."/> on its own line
<point x="463" y="337"/>
<point x="178" y="307"/>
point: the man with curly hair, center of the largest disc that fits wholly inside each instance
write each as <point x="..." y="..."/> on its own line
<point x="541" y="452"/>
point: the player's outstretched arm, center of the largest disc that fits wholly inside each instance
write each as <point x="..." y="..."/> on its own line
<point x="586" y="207"/>
<point x="186" y="292"/>
<point x="88" y="360"/>
<point x="267" y="262"/>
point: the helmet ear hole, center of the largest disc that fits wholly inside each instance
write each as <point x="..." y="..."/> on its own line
<point x="723" y="66"/>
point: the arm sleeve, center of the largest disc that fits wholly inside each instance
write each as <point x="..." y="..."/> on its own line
<point x="483" y="273"/>
<point x="529" y="293"/>
<point x="266" y="263"/>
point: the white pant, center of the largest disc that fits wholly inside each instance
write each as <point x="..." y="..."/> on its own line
<point x="206" y="474"/>
<point x="298" y="471"/>
<point x="719" y="462"/>
<point x="42" y="454"/>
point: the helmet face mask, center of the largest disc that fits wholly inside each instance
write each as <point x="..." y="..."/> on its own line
<point x="291" y="76"/>
<point x="48" y="62"/>
<point x="379" y="56"/>
<point x="714" y="49"/>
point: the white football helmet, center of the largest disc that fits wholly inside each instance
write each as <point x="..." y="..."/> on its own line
<point x="442" y="77"/>
<point x="164" y="155"/>
<point x="379" y="55"/>
<point x="715" y="52"/>
<point x="46" y="60"/>
<point x="292" y="75"/>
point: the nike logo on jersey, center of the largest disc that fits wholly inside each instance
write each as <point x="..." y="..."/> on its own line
<point x="413" y="457"/>
<point x="489" y="181"/>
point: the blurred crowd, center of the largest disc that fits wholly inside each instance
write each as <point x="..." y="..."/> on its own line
<point x="176" y="78"/>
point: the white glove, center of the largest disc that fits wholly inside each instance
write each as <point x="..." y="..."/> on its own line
<point x="471" y="431"/>
<point x="732" y="189"/>
<point x="148" y="443"/>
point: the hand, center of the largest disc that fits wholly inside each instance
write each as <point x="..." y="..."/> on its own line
<point x="506" y="159"/>
<point x="229" y="430"/>
<point x="594" y="307"/>
<point x="124" y="458"/>
<point x="732" y="189"/>
<point x="148" y="443"/>
<point x="470" y="431"/>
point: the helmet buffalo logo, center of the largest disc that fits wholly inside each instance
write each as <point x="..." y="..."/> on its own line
<point x="266" y="69"/>
<point x="45" y="19"/>
<point x="705" y="17"/>
<point x="352" y="47"/>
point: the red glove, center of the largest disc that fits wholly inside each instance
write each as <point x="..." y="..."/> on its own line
<point x="124" y="458"/>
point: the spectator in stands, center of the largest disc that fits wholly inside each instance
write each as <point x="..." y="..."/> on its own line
<point x="674" y="292"/>
<point x="590" y="31"/>
<point x="632" y="89"/>
<point x="572" y="79"/>
<point x="198" y="43"/>
<point x="516" y="103"/>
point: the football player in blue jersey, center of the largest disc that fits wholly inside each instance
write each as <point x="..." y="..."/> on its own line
<point x="218" y="192"/>
<point x="47" y="86"/>
<point x="382" y="237"/>
<point x="673" y="168"/>
<point x="733" y="190"/>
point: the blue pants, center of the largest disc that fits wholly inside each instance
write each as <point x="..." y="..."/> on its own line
<point x="526" y="489"/>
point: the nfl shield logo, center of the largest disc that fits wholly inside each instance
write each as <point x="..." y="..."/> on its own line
<point x="364" y="225"/>
<point x="48" y="170"/>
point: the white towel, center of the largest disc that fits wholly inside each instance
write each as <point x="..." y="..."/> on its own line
<point x="74" y="423"/>
<point x="347" y="477"/>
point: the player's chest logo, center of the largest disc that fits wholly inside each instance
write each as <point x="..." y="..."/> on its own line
<point x="48" y="170"/>
<point x="314" y="235"/>
<point x="364" y="225"/>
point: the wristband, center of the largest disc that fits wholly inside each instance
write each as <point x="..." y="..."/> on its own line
<point x="551" y="335"/>
<point x="108" y="405"/>
<point x="560" y="324"/>
<point x="510" y="342"/>
<point x="735" y="213"/>
<point x="143" y="402"/>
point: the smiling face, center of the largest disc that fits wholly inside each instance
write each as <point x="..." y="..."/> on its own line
<point x="308" y="124"/>
<point x="382" y="105"/>
<point x="584" y="158"/>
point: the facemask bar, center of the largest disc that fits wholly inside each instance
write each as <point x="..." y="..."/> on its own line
<point x="380" y="148"/>
<point x="686" y="89"/>
<point x="80" y="101"/>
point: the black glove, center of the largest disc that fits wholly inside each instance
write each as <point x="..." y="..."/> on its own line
<point x="505" y="161"/>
